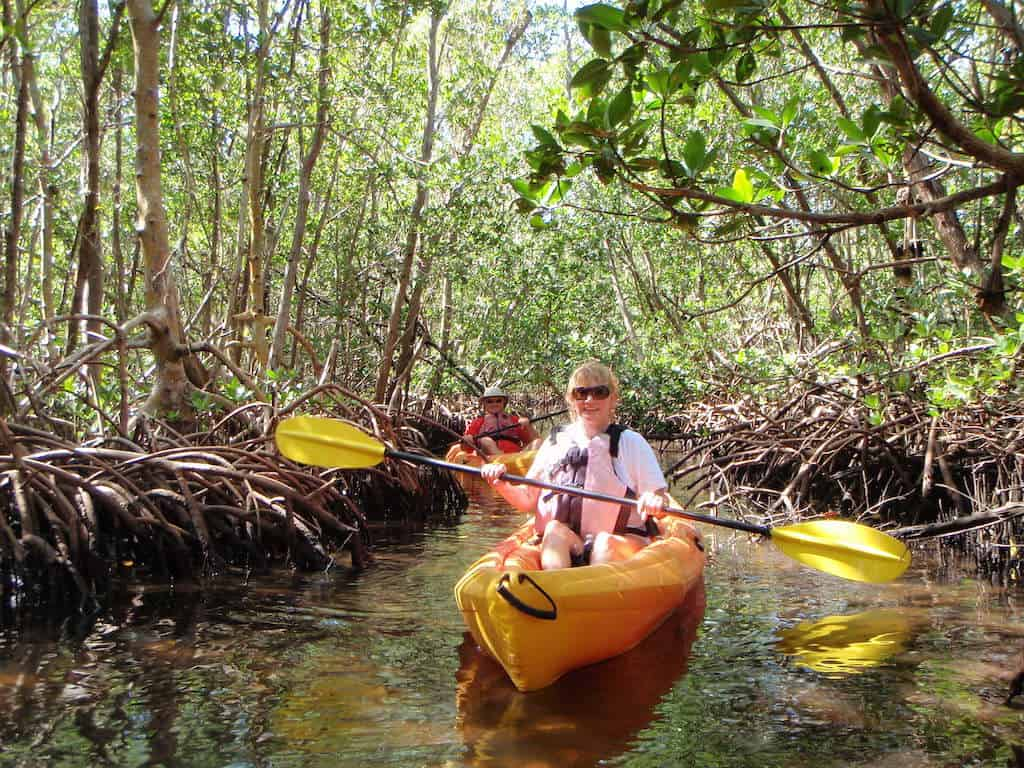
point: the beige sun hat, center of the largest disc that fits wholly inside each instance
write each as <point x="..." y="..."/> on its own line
<point x="494" y="392"/>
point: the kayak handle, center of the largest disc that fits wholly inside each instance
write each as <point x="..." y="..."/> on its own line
<point x="538" y="613"/>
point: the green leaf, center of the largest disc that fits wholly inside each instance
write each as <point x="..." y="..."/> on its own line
<point x="768" y="116"/>
<point x="820" y="162"/>
<point x="557" y="191"/>
<point x="603" y="16"/>
<point x="758" y="122"/>
<point x="530" y="190"/>
<point x="695" y="153"/>
<point x="745" y="67"/>
<point x="672" y="169"/>
<point x="658" y="82"/>
<point x="592" y="77"/>
<point x="852" y="130"/>
<point x="544" y="136"/>
<point x="941" y="19"/>
<point x="600" y="39"/>
<point x="871" y="119"/>
<point x="642" y="164"/>
<point x="634" y="54"/>
<point x="539" y="221"/>
<point x="790" y="110"/>
<point x="899" y="112"/>
<point x="742" y="187"/>
<point x="619" y="106"/>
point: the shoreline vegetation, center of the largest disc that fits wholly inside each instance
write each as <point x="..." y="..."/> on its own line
<point x="167" y="505"/>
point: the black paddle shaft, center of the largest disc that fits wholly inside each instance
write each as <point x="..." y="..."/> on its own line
<point x="513" y="426"/>
<point x="738" y="525"/>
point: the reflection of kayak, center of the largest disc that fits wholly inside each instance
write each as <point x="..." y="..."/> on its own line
<point x="845" y="645"/>
<point x="587" y="716"/>
<point x="540" y="624"/>
<point x="517" y="463"/>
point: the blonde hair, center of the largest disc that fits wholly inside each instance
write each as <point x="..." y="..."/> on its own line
<point x="591" y="373"/>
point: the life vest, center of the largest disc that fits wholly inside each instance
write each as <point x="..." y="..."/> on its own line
<point x="494" y="422"/>
<point x="589" y="468"/>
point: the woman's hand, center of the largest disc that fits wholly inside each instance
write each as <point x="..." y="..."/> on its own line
<point x="492" y="472"/>
<point x="651" y="504"/>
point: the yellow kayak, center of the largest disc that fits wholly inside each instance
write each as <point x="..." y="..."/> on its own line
<point x="541" y="624"/>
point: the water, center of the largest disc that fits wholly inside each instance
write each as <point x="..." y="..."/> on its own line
<point x="784" y="667"/>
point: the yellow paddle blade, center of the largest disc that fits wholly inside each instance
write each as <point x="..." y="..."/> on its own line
<point x="848" y="550"/>
<point x="846" y="645"/>
<point x="327" y="443"/>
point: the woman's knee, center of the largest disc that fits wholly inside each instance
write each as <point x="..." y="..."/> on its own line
<point x="558" y="532"/>
<point x="609" y="548"/>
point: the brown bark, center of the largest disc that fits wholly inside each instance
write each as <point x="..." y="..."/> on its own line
<point x="415" y="216"/>
<point x="47" y="190"/>
<point x="406" y="354"/>
<point x="88" y="297"/>
<point x="163" y="310"/>
<point x="254" y="165"/>
<point x="305" y="177"/>
<point x="121" y="295"/>
<point x="890" y="36"/>
<point x="1006" y="22"/>
<point x="992" y="296"/>
<point x="926" y="189"/>
<point x="12" y="233"/>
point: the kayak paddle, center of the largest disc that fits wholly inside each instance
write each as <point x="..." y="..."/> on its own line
<point x="839" y="547"/>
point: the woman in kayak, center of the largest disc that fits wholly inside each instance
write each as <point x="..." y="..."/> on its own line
<point x="497" y="431"/>
<point x="592" y="452"/>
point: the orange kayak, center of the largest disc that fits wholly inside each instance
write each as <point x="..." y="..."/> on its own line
<point x="541" y="624"/>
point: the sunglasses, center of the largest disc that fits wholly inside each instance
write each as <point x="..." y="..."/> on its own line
<point x="493" y="400"/>
<point x="600" y="392"/>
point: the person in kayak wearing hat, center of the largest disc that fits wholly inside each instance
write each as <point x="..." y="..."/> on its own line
<point x="592" y="452"/>
<point x="498" y="431"/>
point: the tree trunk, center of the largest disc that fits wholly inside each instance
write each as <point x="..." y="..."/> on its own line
<point x="116" y="249"/>
<point x="447" y="310"/>
<point x="47" y="190"/>
<point x="254" y="164"/>
<point x="88" y="297"/>
<point x="164" y="314"/>
<point x="415" y="215"/>
<point x="405" y="346"/>
<point x="302" y="210"/>
<point x="1007" y="22"/>
<point x="13" y="231"/>
<point x="322" y="206"/>
<point x="620" y="297"/>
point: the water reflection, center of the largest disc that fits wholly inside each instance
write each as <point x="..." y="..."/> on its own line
<point x="589" y="714"/>
<point x="846" y="645"/>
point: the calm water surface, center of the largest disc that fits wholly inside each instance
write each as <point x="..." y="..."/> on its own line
<point x="783" y="667"/>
